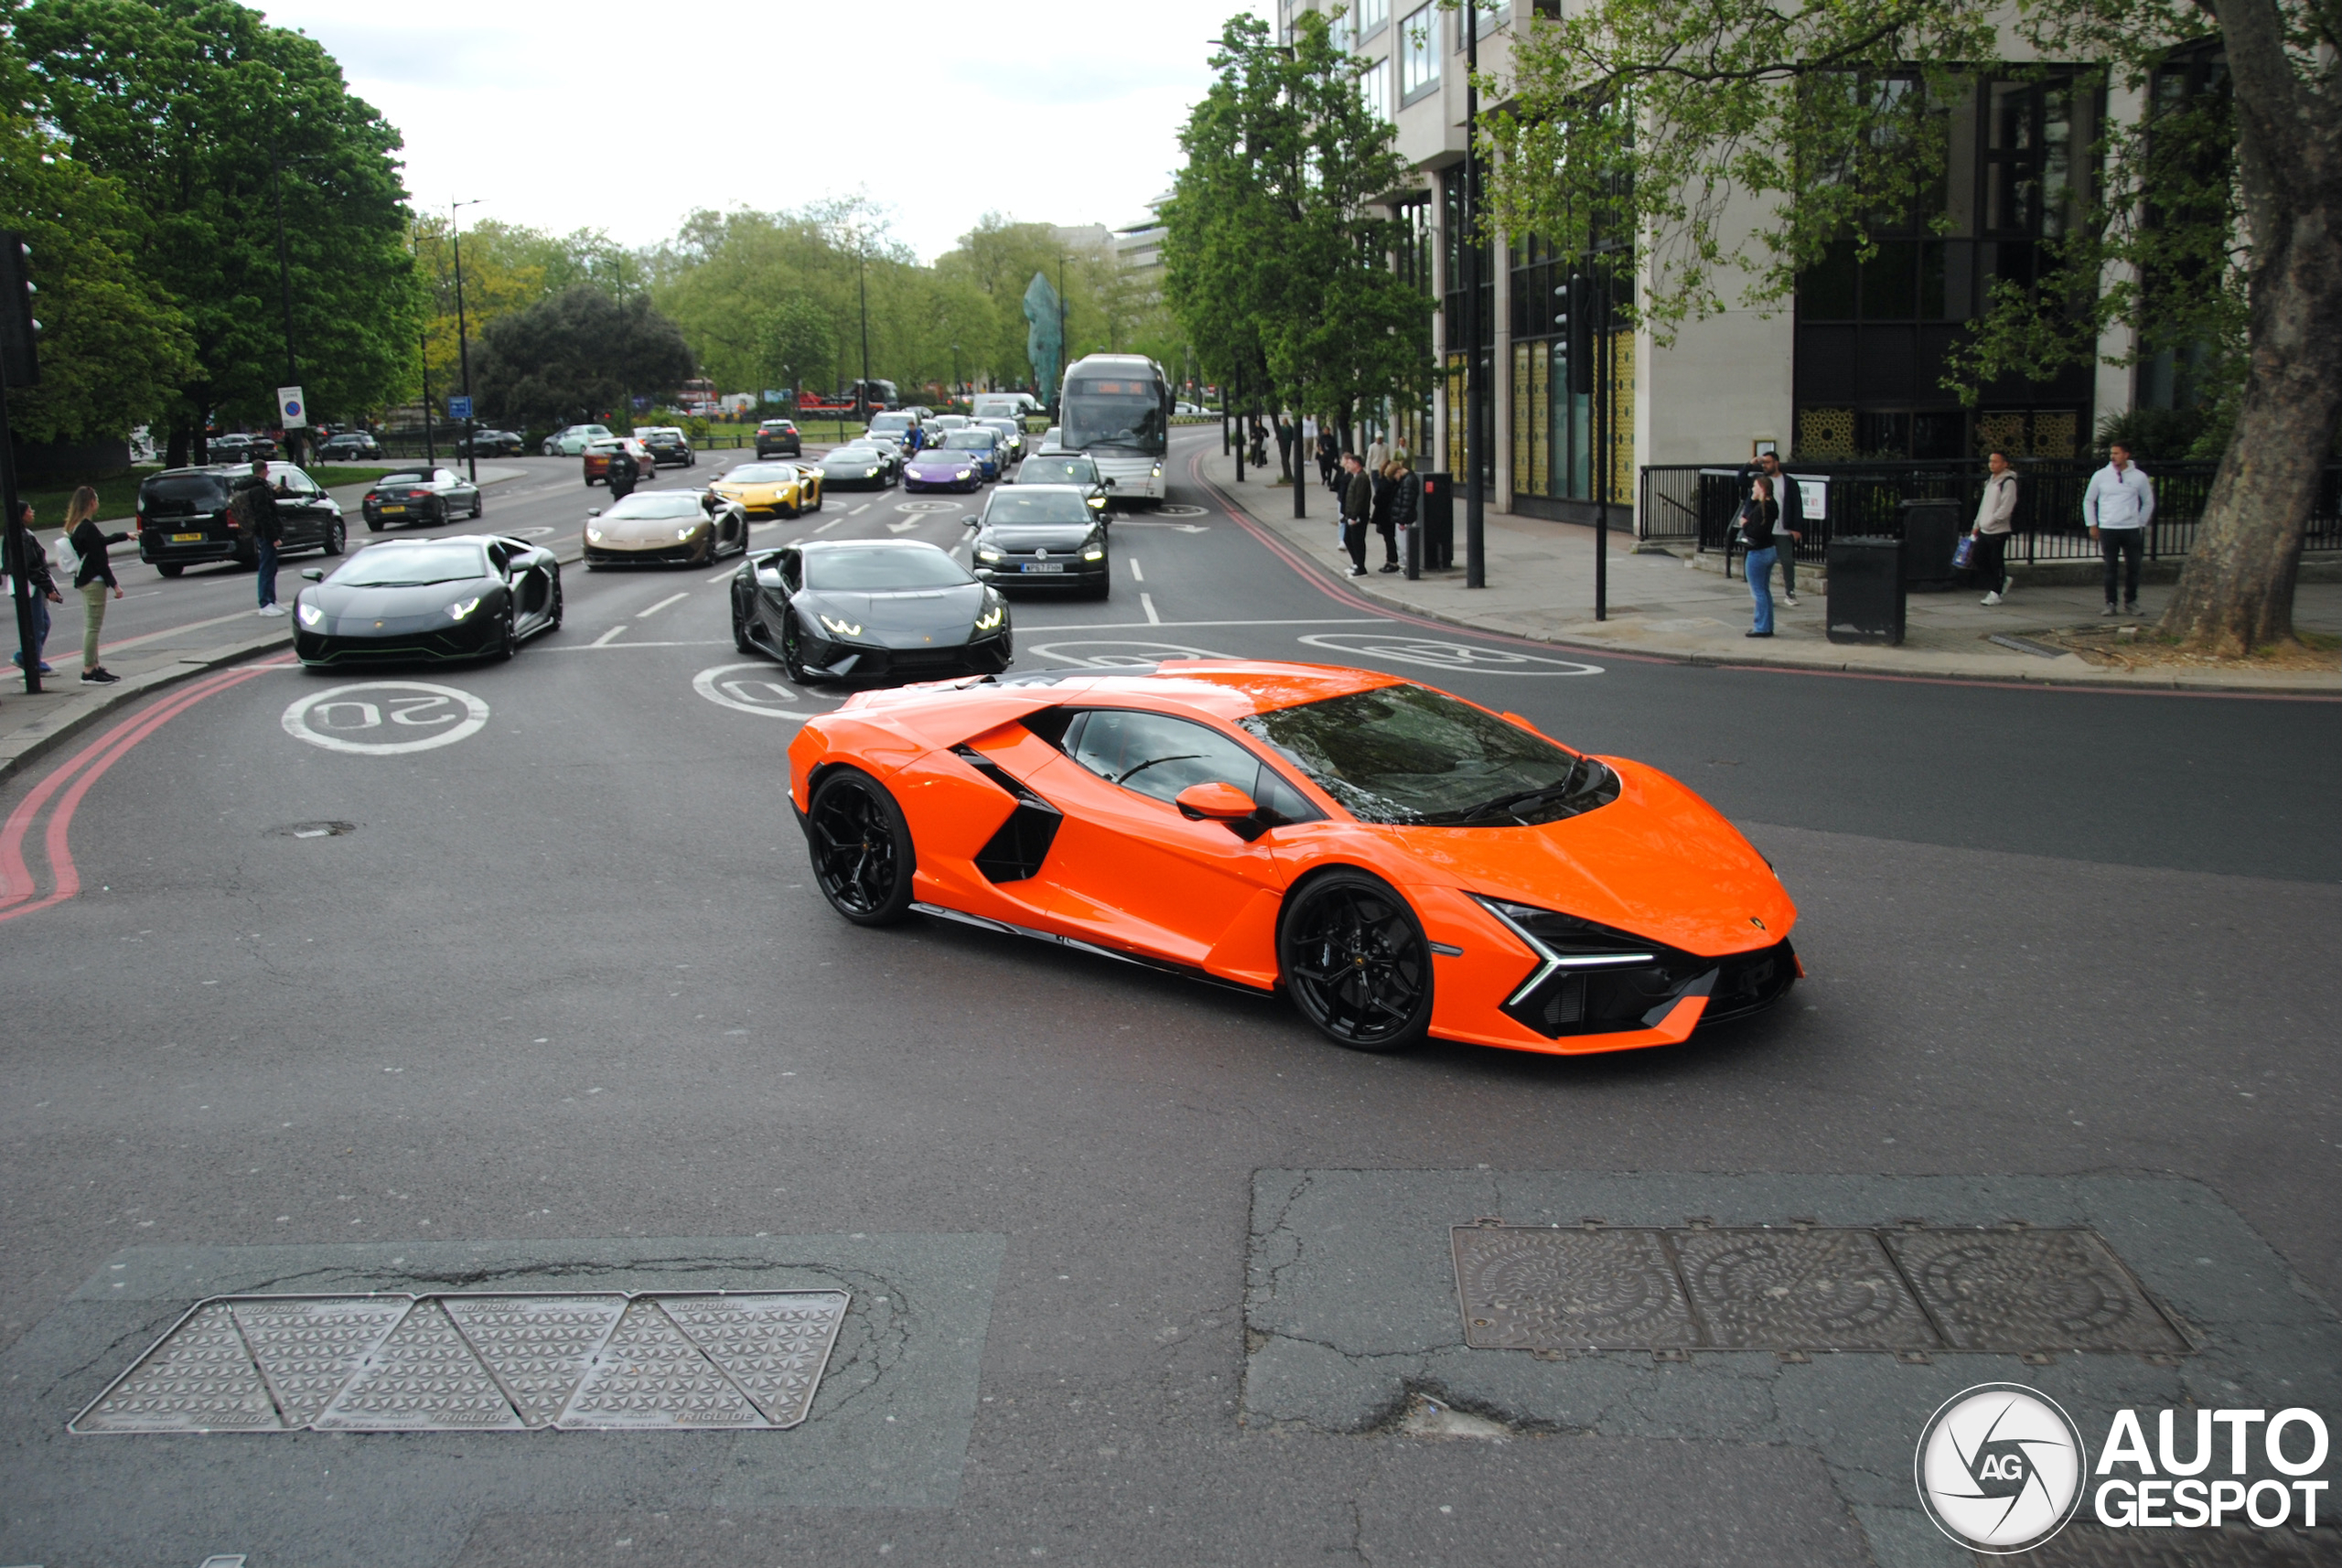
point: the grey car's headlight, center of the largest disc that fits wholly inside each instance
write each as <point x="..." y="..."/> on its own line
<point x="311" y="614"/>
<point x="1094" y="554"/>
<point x="988" y="552"/>
<point x="593" y="536"/>
<point x="687" y="532"/>
<point x="462" y="608"/>
<point x="992" y="618"/>
<point x="842" y="627"/>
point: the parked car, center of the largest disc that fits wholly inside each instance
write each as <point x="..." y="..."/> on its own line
<point x="778" y="438"/>
<point x="239" y="448"/>
<point x="492" y="444"/>
<point x="349" y="443"/>
<point x="570" y="441"/>
<point x="598" y="457"/>
<point x="425" y="498"/>
<point x="667" y="445"/>
<point x="183" y="517"/>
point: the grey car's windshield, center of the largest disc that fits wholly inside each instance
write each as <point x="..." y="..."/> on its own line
<point x="1058" y="471"/>
<point x="1011" y="508"/>
<point x="411" y="566"/>
<point x="880" y="570"/>
<point x="670" y="503"/>
<point x="1408" y="753"/>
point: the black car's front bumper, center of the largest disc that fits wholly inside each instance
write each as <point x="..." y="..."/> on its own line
<point x="1090" y="574"/>
<point x="697" y="554"/>
<point x="473" y="637"/>
<point x="987" y="655"/>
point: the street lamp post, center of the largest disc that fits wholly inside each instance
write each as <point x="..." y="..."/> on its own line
<point x="284" y="285"/>
<point x="861" y="282"/>
<point x="463" y="338"/>
<point x="1475" y="565"/>
<point x="955" y="372"/>
<point x="1065" y="349"/>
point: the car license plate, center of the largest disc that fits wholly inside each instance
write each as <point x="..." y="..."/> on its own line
<point x="186" y="539"/>
<point x="389" y="509"/>
<point x="1044" y="565"/>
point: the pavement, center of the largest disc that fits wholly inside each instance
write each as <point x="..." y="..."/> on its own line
<point x="1679" y="606"/>
<point x="1144" y="1274"/>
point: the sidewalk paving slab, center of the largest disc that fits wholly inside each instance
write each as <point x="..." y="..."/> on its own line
<point x="1541" y="588"/>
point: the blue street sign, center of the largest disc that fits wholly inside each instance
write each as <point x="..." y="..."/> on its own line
<point x="459" y="408"/>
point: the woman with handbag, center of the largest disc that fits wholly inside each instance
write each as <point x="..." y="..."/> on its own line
<point x="1995" y="524"/>
<point x="1759" y="513"/>
<point x="93" y="577"/>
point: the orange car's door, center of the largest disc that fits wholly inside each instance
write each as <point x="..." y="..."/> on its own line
<point x="1159" y="881"/>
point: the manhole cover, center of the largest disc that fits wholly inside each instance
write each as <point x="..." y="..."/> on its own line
<point x="2009" y="1291"/>
<point x="312" y="831"/>
<point x="667" y="1360"/>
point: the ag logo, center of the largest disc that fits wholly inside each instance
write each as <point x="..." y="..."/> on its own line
<point x="1999" y="1468"/>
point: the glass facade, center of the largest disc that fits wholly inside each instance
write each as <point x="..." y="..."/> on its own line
<point x="1572" y="373"/>
<point x="1418" y="52"/>
<point x="1873" y="336"/>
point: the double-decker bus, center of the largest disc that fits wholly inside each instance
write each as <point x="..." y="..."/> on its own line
<point x="1117" y="408"/>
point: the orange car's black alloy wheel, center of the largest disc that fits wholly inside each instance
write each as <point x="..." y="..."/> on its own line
<point x="1356" y="963"/>
<point x="861" y="849"/>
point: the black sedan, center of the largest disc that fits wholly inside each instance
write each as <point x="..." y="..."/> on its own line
<point x="1043" y="536"/>
<point x="859" y="469"/>
<point x="349" y="443"/>
<point x="478" y="596"/>
<point x="1068" y="468"/>
<point x="425" y="498"/>
<point x="493" y="444"/>
<point x="860" y="607"/>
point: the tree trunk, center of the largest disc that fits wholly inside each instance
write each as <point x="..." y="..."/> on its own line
<point x="2236" y="591"/>
<point x="174" y="447"/>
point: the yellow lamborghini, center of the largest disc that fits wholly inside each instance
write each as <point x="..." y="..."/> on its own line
<point x="771" y="489"/>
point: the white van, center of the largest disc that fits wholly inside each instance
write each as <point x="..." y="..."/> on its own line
<point x="1004" y="405"/>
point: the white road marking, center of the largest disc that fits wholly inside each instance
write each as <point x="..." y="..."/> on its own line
<point x="829" y="525"/>
<point x="662" y="604"/>
<point x="1127" y="654"/>
<point x="719" y="577"/>
<point x="624" y="647"/>
<point x="907" y="522"/>
<point x="1136" y="575"/>
<point x="860" y="510"/>
<point x="794" y="542"/>
<point x="610" y="635"/>
<point x="1441" y="654"/>
<point x="1146" y="603"/>
<point x="417" y="704"/>
<point x="1130" y="625"/>
<point x="761" y="695"/>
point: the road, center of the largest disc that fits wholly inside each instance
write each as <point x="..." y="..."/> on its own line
<point x="560" y="1005"/>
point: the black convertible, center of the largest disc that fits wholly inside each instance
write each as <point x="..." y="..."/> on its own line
<point x="860" y="607"/>
<point x="478" y="596"/>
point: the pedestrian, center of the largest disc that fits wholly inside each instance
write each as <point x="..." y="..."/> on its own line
<point x="1992" y="527"/>
<point x="1329" y="455"/>
<point x="1386" y="497"/>
<point x="1406" y="493"/>
<point x="2118" y="506"/>
<point x="257" y="505"/>
<point x="93" y="577"/>
<point x="1358" y="507"/>
<point x="1377" y="455"/>
<point x="1260" y="445"/>
<point x="21" y="556"/>
<point x="1758" y="516"/>
<point x="1790" y="497"/>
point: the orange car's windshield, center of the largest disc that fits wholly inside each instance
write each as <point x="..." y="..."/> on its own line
<point x="1410" y="755"/>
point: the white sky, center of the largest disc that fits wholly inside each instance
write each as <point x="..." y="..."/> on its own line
<point x="572" y="113"/>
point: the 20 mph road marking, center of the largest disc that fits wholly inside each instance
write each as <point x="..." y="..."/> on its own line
<point x="332" y="719"/>
<point x="761" y="693"/>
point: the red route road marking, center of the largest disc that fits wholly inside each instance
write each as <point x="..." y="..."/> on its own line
<point x="90" y="763"/>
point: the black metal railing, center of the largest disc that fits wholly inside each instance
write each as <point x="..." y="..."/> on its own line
<point x="1696" y="504"/>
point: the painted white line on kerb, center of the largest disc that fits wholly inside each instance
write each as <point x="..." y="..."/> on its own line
<point x="1146" y="603"/>
<point x="831" y="524"/>
<point x="1136" y="575"/>
<point x="662" y="604"/>
<point x="609" y="636"/>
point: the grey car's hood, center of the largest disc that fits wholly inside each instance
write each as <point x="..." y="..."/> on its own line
<point x="904" y="618"/>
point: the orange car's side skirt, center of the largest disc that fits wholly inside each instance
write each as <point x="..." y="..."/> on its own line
<point x="1007" y="927"/>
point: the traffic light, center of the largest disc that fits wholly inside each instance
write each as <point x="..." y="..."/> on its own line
<point x="1575" y="307"/>
<point x="19" y="357"/>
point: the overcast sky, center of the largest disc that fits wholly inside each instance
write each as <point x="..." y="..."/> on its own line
<point x="571" y="113"/>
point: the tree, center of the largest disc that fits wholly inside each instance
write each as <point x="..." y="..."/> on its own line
<point x="1674" y="125"/>
<point x="795" y="338"/>
<point x="208" y="118"/>
<point x="1276" y="254"/>
<point x="113" y="346"/>
<point x="579" y="355"/>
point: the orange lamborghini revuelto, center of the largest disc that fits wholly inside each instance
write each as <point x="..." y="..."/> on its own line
<point x="1400" y="861"/>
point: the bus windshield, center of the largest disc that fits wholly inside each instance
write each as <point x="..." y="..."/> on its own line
<point x="1125" y="412"/>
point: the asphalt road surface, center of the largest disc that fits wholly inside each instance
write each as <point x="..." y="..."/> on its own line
<point x="560" y="1005"/>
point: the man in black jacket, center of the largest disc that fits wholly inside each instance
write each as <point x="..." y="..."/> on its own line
<point x="267" y="531"/>
<point x="1357" y="506"/>
<point x="22" y="556"/>
<point x="1791" y="498"/>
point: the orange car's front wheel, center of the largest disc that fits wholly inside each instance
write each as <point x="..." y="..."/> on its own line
<point x="1356" y="962"/>
<point x="861" y="848"/>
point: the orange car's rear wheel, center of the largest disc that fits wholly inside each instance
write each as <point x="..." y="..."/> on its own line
<point x="861" y="848"/>
<point x="1356" y="962"/>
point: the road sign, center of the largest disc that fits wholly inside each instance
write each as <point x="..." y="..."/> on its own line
<point x="459" y="408"/>
<point x="292" y="408"/>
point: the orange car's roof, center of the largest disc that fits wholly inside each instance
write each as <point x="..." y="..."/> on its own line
<point x="1232" y="688"/>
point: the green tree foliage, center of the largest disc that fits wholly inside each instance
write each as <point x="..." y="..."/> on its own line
<point x="1738" y="141"/>
<point x="579" y="355"/>
<point x="207" y="117"/>
<point x="114" y="347"/>
<point x="1276" y="258"/>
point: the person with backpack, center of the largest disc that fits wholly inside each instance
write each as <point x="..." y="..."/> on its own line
<point x="22" y="556"/>
<point x="86" y="544"/>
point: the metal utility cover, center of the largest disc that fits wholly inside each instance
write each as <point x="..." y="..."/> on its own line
<point x="460" y="1362"/>
<point x="1802" y="1288"/>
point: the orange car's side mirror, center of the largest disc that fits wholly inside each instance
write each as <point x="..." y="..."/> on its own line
<point x="1214" y="801"/>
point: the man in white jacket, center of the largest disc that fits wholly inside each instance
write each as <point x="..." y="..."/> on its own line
<point x="2118" y="506"/>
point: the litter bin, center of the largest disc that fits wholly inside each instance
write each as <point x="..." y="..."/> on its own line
<point x="1930" y="536"/>
<point x="1866" y="591"/>
<point x="1438" y="521"/>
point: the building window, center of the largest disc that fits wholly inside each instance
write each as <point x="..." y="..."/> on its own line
<point x="1374" y="87"/>
<point x="1573" y="372"/>
<point x="1873" y="337"/>
<point x="1451" y="226"/>
<point x="1492" y="15"/>
<point x="1418" y="51"/>
<point x="1372" y="15"/>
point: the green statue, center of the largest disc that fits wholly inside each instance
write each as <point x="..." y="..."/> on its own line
<point x="1044" y="341"/>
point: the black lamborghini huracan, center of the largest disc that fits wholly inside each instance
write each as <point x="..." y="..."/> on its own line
<point x="856" y="609"/>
